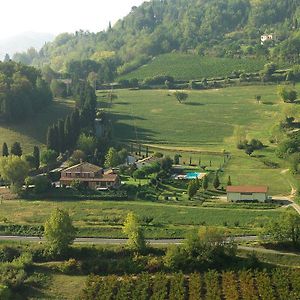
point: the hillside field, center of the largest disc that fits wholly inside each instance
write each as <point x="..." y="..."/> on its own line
<point x="33" y="132"/>
<point x="190" y="66"/>
<point x="205" y="123"/>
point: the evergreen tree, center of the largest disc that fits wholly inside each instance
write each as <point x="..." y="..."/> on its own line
<point x="36" y="155"/>
<point x="16" y="149"/>
<point x="216" y="182"/>
<point x="75" y="125"/>
<point x="52" y="138"/>
<point x="205" y="183"/>
<point x="192" y="189"/>
<point x="68" y="133"/>
<point x="5" y="150"/>
<point x="61" y="136"/>
<point x="229" y="181"/>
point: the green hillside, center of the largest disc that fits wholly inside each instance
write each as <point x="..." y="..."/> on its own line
<point x="189" y="66"/>
<point x="218" y="28"/>
<point x="205" y="123"/>
<point x="33" y="131"/>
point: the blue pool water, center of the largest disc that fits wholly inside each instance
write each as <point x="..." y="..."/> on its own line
<point x="192" y="175"/>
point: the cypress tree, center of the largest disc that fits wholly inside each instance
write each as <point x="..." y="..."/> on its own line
<point x="52" y="135"/>
<point x="16" y="149"/>
<point x="229" y="181"/>
<point x="68" y="133"/>
<point x="216" y="182"/>
<point x="205" y="183"/>
<point x="5" y="150"/>
<point x="75" y="125"/>
<point x="61" y="135"/>
<point x="36" y="155"/>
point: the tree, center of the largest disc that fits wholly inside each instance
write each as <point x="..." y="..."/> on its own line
<point x="78" y="156"/>
<point x="192" y="189"/>
<point x="286" y="229"/>
<point x="249" y="150"/>
<point x="166" y="164"/>
<point x="48" y="157"/>
<point x="36" y="155"/>
<point x="5" y="150"/>
<point x="87" y="144"/>
<point x="257" y="98"/>
<point x="139" y="174"/>
<point x="52" y="138"/>
<point x="111" y="158"/>
<point x="59" y="232"/>
<point x="134" y="232"/>
<point x="181" y="96"/>
<point x="216" y="182"/>
<point x="14" y="169"/>
<point x="30" y="160"/>
<point x="287" y="95"/>
<point x="176" y="159"/>
<point x="229" y="181"/>
<point x="6" y="58"/>
<point x="205" y="183"/>
<point x="16" y="149"/>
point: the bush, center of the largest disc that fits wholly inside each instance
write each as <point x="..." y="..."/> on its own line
<point x="70" y="267"/>
<point x="8" y="254"/>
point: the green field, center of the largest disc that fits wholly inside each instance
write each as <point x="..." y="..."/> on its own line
<point x="33" y="132"/>
<point x="203" y="127"/>
<point x="206" y="121"/>
<point x="189" y="66"/>
<point x="105" y="218"/>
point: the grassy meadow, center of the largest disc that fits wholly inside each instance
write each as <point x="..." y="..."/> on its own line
<point x="189" y="66"/>
<point x="105" y="218"/>
<point x="33" y="131"/>
<point x="204" y="126"/>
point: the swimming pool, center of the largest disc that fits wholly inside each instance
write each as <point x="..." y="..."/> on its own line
<point x="193" y="175"/>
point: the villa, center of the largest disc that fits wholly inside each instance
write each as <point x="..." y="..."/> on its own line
<point x="92" y="176"/>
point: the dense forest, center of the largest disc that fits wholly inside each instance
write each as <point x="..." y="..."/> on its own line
<point x="23" y="92"/>
<point x="222" y="28"/>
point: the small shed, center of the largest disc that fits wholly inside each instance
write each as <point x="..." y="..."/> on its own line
<point x="247" y="193"/>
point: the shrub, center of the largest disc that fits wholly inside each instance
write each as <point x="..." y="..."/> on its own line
<point x="70" y="267"/>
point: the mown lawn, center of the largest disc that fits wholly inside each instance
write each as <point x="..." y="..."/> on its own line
<point x="105" y="218"/>
<point x="33" y="131"/>
<point x="189" y="66"/>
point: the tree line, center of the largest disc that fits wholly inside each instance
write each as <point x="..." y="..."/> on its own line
<point x="23" y="91"/>
<point x="64" y="134"/>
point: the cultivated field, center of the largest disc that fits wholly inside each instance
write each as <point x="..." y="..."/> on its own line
<point x="33" y="132"/>
<point x="105" y="218"/>
<point x="189" y="66"/>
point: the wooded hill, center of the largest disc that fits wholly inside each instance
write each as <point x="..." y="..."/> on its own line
<point x="222" y="28"/>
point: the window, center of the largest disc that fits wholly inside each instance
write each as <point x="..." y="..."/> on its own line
<point x="247" y="194"/>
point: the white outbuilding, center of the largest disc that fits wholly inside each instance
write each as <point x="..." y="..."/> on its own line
<point x="247" y="193"/>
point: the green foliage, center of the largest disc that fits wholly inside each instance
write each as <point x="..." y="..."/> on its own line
<point x="287" y="95"/>
<point x="48" y="157"/>
<point x="14" y="169"/>
<point x="59" y="232"/>
<point x="192" y="188"/>
<point x="216" y="182"/>
<point x="134" y="232"/>
<point x="87" y="144"/>
<point x="205" y="183"/>
<point x="23" y="92"/>
<point x="181" y="96"/>
<point x="286" y="229"/>
<point x="112" y="158"/>
<point x="16" y="149"/>
<point x="5" y="150"/>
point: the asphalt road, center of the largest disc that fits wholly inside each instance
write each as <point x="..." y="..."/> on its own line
<point x="107" y="241"/>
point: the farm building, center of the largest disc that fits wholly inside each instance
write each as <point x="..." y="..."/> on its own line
<point x="247" y="193"/>
<point x="90" y="175"/>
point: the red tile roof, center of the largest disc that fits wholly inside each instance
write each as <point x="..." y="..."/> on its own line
<point x="247" y="189"/>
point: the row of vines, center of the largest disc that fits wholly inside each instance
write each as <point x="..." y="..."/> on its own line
<point x="244" y="285"/>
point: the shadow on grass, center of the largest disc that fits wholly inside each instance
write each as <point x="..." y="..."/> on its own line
<point x="194" y="104"/>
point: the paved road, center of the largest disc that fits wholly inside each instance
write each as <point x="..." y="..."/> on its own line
<point x="106" y="241"/>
